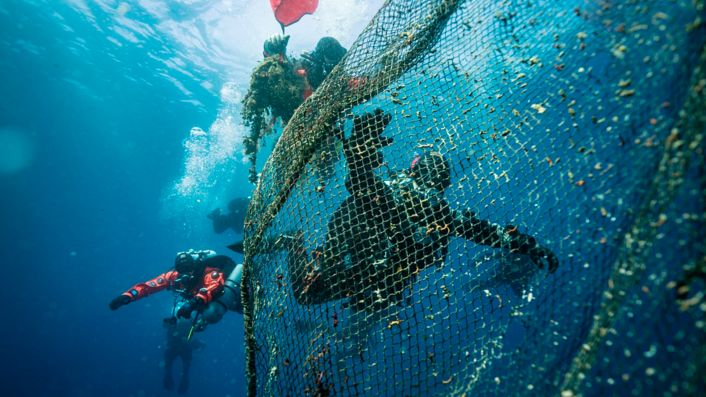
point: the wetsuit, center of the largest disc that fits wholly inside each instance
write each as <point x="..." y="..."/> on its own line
<point x="179" y="345"/>
<point x="208" y="287"/>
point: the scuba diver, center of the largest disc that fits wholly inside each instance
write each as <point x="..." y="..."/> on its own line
<point x="314" y="66"/>
<point x="388" y="230"/>
<point x="235" y="218"/>
<point x="278" y="85"/>
<point x="200" y="282"/>
<point x="179" y="345"/>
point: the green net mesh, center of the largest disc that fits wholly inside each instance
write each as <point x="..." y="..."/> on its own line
<point x="489" y="198"/>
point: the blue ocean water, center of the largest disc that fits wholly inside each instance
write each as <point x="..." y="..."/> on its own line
<point x="101" y="184"/>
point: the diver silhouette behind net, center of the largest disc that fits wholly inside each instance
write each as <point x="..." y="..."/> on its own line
<point x="388" y="230"/>
<point x="234" y="219"/>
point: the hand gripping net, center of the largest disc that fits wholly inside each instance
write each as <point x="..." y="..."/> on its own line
<point x="489" y="198"/>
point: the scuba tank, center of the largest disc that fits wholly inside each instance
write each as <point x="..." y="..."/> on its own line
<point x="229" y="300"/>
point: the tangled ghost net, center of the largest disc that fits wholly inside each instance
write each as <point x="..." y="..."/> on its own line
<point x="489" y="198"/>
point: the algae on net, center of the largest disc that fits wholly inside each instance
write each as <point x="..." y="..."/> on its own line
<point x="275" y="92"/>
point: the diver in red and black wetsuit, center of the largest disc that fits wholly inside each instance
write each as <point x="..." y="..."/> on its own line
<point x="192" y="277"/>
<point x="206" y="283"/>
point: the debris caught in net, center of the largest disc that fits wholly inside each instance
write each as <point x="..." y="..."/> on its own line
<point x="274" y="93"/>
<point x="489" y="198"/>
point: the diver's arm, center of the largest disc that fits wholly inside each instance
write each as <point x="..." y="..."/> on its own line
<point x="159" y="283"/>
<point x="362" y="153"/>
<point x="361" y="180"/>
<point x="467" y="225"/>
<point x="213" y="282"/>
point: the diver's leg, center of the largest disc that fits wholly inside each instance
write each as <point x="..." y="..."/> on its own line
<point x="301" y="275"/>
<point x="316" y="278"/>
<point x="169" y="357"/>
<point x="186" y="357"/>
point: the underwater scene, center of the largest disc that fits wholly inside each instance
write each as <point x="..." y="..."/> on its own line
<point x="353" y="198"/>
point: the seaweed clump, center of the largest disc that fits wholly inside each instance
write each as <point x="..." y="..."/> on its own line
<point x="275" y="92"/>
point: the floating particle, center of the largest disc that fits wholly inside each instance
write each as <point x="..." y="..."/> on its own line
<point x="661" y="220"/>
<point x="694" y="25"/>
<point x="659" y="16"/>
<point x="619" y="51"/>
<point x="651" y="352"/>
<point x="538" y="107"/>
<point x="637" y="27"/>
<point x="393" y="323"/>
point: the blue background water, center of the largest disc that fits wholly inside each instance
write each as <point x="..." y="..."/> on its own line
<point x="96" y="100"/>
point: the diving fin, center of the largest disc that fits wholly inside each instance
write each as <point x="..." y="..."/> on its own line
<point x="238" y="247"/>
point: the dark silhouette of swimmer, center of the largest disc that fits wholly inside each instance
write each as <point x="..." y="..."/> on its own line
<point x="388" y="230"/>
<point x="179" y="345"/>
<point x="233" y="220"/>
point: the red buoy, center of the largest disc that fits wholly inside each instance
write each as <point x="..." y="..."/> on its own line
<point x="288" y="12"/>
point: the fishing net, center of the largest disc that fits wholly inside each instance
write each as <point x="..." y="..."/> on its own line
<point x="489" y="198"/>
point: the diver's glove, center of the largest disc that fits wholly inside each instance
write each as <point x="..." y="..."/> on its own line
<point x="541" y="255"/>
<point x="186" y="309"/>
<point x="363" y="146"/>
<point x="119" y="301"/>
<point x="275" y="45"/>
